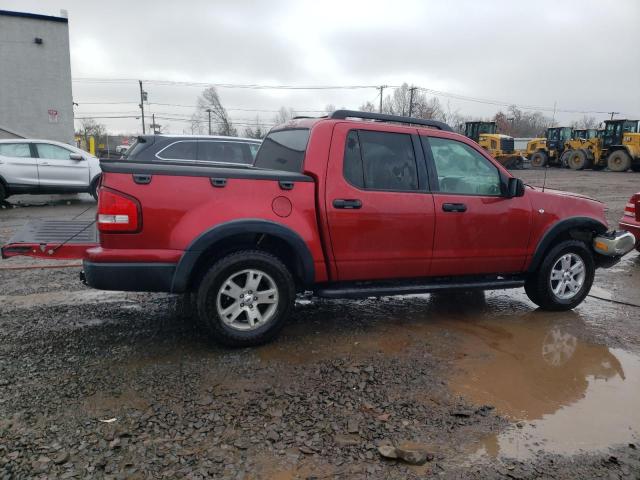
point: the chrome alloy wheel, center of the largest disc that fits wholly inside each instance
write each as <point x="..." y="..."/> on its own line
<point x="247" y="300"/>
<point x="567" y="276"/>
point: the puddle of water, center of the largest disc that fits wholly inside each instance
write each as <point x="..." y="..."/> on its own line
<point x="571" y="396"/>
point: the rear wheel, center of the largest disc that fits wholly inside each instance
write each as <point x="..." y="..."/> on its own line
<point x="245" y="298"/>
<point x="564" y="278"/>
<point x="578" y="160"/>
<point x="3" y="193"/>
<point x="539" y="159"/>
<point x="619" y="161"/>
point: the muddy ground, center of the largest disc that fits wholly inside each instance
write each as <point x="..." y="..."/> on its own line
<point x="123" y="385"/>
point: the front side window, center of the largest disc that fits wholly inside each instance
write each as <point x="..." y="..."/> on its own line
<point x="52" y="152"/>
<point x="283" y="150"/>
<point x="15" y="150"/>
<point x="461" y="169"/>
<point x="380" y="161"/>
<point x="179" y="151"/>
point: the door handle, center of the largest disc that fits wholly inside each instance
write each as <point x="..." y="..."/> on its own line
<point x="454" y="207"/>
<point x="45" y="163"/>
<point x="351" y="203"/>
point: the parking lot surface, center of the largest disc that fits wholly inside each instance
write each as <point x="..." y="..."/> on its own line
<point x="124" y="385"/>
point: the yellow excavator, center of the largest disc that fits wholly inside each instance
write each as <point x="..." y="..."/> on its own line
<point x="548" y="150"/>
<point x="617" y="147"/>
<point x="501" y="147"/>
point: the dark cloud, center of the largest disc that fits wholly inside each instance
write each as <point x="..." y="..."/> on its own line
<point x="581" y="54"/>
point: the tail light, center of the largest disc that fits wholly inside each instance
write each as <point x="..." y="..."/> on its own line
<point x="631" y="209"/>
<point x="118" y="212"/>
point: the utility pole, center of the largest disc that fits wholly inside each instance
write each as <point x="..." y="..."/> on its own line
<point x="411" y="90"/>
<point x="154" y="126"/>
<point x="381" y="88"/>
<point x="613" y="113"/>
<point x="208" y="110"/>
<point x="143" y="98"/>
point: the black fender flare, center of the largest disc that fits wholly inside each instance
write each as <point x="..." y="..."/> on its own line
<point x="558" y="228"/>
<point x="199" y="246"/>
<point x="95" y="178"/>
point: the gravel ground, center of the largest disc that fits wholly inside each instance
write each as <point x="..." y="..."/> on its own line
<point x="124" y="385"/>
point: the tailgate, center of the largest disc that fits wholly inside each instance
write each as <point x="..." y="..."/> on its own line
<point x="57" y="239"/>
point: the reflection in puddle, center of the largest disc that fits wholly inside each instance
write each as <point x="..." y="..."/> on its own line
<point x="573" y="395"/>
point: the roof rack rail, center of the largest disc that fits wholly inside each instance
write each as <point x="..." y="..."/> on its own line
<point x="342" y="114"/>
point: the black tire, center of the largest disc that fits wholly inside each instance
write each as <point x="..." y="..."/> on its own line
<point x="635" y="168"/>
<point x="3" y="193"/>
<point x="619" y="161"/>
<point x="539" y="159"/>
<point x="539" y="284"/>
<point x="578" y="160"/>
<point x="564" y="159"/>
<point x="93" y="190"/>
<point x="225" y="269"/>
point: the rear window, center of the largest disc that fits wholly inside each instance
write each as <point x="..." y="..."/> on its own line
<point x="283" y="150"/>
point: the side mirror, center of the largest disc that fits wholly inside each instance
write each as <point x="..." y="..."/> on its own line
<point x="75" y="156"/>
<point x="515" y="187"/>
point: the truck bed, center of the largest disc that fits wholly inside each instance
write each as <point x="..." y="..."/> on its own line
<point x="57" y="239"/>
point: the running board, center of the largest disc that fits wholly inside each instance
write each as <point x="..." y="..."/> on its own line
<point x="372" y="289"/>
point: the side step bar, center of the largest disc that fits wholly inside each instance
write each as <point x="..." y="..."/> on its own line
<point x="372" y="289"/>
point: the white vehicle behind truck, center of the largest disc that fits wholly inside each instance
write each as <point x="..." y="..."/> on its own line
<point x="29" y="166"/>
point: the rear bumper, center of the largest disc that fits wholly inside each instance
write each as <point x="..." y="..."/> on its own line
<point x="132" y="277"/>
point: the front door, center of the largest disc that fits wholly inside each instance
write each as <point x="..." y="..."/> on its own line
<point x="379" y="210"/>
<point x="478" y="230"/>
<point x="56" y="169"/>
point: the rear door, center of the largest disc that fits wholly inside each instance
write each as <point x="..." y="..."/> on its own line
<point x="379" y="210"/>
<point x="477" y="229"/>
<point x="18" y="165"/>
<point x="56" y="169"/>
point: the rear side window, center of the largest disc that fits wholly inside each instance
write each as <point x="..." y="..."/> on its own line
<point x="224" y="152"/>
<point x="179" y="151"/>
<point x="283" y="150"/>
<point x="380" y="161"/>
<point x="134" y="150"/>
<point x="15" y="150"/>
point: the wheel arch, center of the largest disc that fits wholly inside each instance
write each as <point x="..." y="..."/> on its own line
<point x="569" y="228"/>
<point x="240" y="234"/>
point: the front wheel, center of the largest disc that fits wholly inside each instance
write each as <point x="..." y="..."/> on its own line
<point x="245" y="298"/>
<point x="539" y="159"/>
<point x="619" y="161"/>
<point x="564" y="278"/>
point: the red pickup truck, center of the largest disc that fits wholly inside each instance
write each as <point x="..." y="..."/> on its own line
<point x="351" y="205"/>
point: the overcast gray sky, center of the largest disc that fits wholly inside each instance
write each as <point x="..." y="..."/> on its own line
<point x="583" y="55"/>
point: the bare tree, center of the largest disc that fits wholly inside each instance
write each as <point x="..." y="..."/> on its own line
<point x="259" y="131"/>
<point x="210" y="101"/>
<point x="368" y="107"/>
<point x="196" y="124"/>
<point x="404" y="100"/>
<point x="90" y="128"/>
<point x="283" y="115"/>
<point x="517" y="123"/>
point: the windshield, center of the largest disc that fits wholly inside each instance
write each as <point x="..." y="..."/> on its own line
<point x="283" y="150"/>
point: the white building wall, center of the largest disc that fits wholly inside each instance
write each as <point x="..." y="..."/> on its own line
<point x="35" y="80"/>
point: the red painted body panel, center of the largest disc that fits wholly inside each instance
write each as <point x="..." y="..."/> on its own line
<point x="50" y="251"/>
<point x="176" y="210"/>
<point x="393" y="235"/>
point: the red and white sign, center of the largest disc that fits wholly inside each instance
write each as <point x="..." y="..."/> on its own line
<point x="53" y="115"/>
